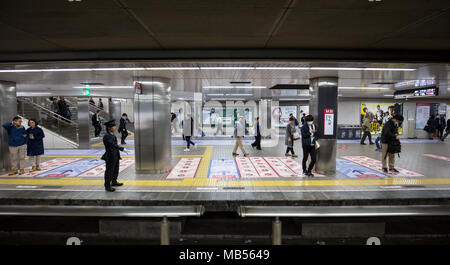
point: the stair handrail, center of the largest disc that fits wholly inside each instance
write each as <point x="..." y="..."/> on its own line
<point x="56" y="115"/>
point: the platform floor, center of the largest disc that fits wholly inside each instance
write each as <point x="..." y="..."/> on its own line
<point x="76" y="177"/>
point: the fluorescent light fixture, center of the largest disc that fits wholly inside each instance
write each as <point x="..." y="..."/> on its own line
<point x="362" y="68"/>
<point x="233" y="87"/>
<point x="282" y="68"/>
<point x="364" y="88"/>
<point x="226" y="68"/>
<point x="171" y="68"/>
<point x="93" y="87"/>
<point x="239" y="94"/>
<point x="231" y="99"/>
<point x="215" y="94"/>
<point x="339" y="95"/>
<point x="388" y="95"/>
<point x="204" y="68"/>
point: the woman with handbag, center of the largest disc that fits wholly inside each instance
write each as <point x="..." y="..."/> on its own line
<point x="289" y="138"/>
<point x="309" y="132"/>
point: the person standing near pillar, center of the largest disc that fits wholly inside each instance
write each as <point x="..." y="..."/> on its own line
<point x="188" y="129"/>
<point x="257" y="142"/>
<point x="35" y="144"/>
<point x="17" y="139"/>
<point x="390" y="143"/>
<point x="239" y="133"/>
<point x="111" y="156"/>
<point x="289" y="137"/>
<point x="308" y="133"/>
<point x="96" y="123"/>
<point x="123" y="128"/>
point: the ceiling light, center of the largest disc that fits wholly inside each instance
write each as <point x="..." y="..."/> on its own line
<point x="282" y="68"/>
<point x="239" y="94"/>
<point x="388" y="95"/>
<point x="362" y="69"/>
<point x="227" y="68"/>
<point x="171" y="68"/>
<point x="365" y="88"/>
<point x="224" y="87"/>
<point x="215" y="94"/>
<point x="112" y="87"/>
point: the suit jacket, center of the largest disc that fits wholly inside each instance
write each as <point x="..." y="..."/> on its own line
<point x="112" y="149"/>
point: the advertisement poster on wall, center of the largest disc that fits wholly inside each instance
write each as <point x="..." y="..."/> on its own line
<point x="425" y="110"/>
<point x="280" y="115"/>
<point x="378" y="114"/>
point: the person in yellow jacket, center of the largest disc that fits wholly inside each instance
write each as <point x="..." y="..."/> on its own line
<point x="366" y="128"/>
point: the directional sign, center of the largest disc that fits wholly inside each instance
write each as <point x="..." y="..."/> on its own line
<point x="376" y="165"/>
<point x="354" y="170"/>
<point x="246" y="168"/>
<point x="185" y="168"/>
<point x="46" y="166"/>
<point x="73" y="169"/>
<point x="99" y="171"/>
<point x="223" y="168"/>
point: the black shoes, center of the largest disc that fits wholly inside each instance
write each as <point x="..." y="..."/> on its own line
<point x="393" y="170"/>
<point x="116" y="184"/>
<point x="385" y="170"/>
<point x="371" y="143"/>
<point x="363" y="143"/>
<point x="110" y="189"/>
<point x="308" y="173"/>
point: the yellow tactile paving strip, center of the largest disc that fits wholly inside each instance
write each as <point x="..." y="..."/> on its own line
<point x="201" y="179"/>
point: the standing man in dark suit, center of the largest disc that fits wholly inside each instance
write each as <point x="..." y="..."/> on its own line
<point x="257" y="142"/>
<point x="96" y="123"/>
<point x="111" y="156"/>
<point x="123" y="128"/>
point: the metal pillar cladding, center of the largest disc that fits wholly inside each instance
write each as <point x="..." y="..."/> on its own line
<point x="84" y="123"/>
<point x="115" y="109"/>
<point x="323" y="106"/>
<point x="152" y="134"/>
<point x="8" y="109"/>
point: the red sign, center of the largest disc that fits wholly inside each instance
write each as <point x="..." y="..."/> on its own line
<point x="138" y="88"/>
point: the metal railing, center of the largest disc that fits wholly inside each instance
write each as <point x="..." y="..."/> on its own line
<point x="163" y="212"/>
<point x="337" y="211"/>
<point x="48" y="119"/>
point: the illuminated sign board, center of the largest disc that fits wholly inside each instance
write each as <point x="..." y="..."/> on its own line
<point x="417" y="93"/>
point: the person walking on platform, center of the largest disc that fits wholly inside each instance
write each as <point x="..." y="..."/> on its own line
<point x="111" y="156"/>
<point x="447" y="130"/>
<point x="173" y="122"/>
<point x="17" y="139"/>
<point x="309" y="137"/>
<point x="35" y="144"/>
<point x="100" y="104"/>
<point x="302" y="120"/>
<point x="390" y="143"/>
<point x="91" y="101"/>
<point x="378" y="139"/>
<point x="123" y="128"/>
<point x="96" y="123"/>
<point x="366" y="129"/>
<point x="295" y="119"/>
<point x="430" y="127"/>
<point x="440" y="126"/>
<point x="239" y="133"/>
<point x="219" y="125"/>
<point x="188" y="129"/>
<point x="289" y="137"/>
<point x="257" y="142"/>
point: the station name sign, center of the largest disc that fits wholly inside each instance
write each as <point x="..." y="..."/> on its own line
<point x="417" y="93"/>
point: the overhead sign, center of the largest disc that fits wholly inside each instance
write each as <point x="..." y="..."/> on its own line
<point x="137" y="88"/>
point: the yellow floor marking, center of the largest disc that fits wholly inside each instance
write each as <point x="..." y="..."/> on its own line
<point x="203" y="169"/>
<point x="201" y="181"/>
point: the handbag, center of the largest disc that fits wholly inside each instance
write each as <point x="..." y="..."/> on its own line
<point x="316" y="144"/>
<point x="296" y="136"/>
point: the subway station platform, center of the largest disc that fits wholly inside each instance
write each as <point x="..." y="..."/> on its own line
<point x="211" y="176"/>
